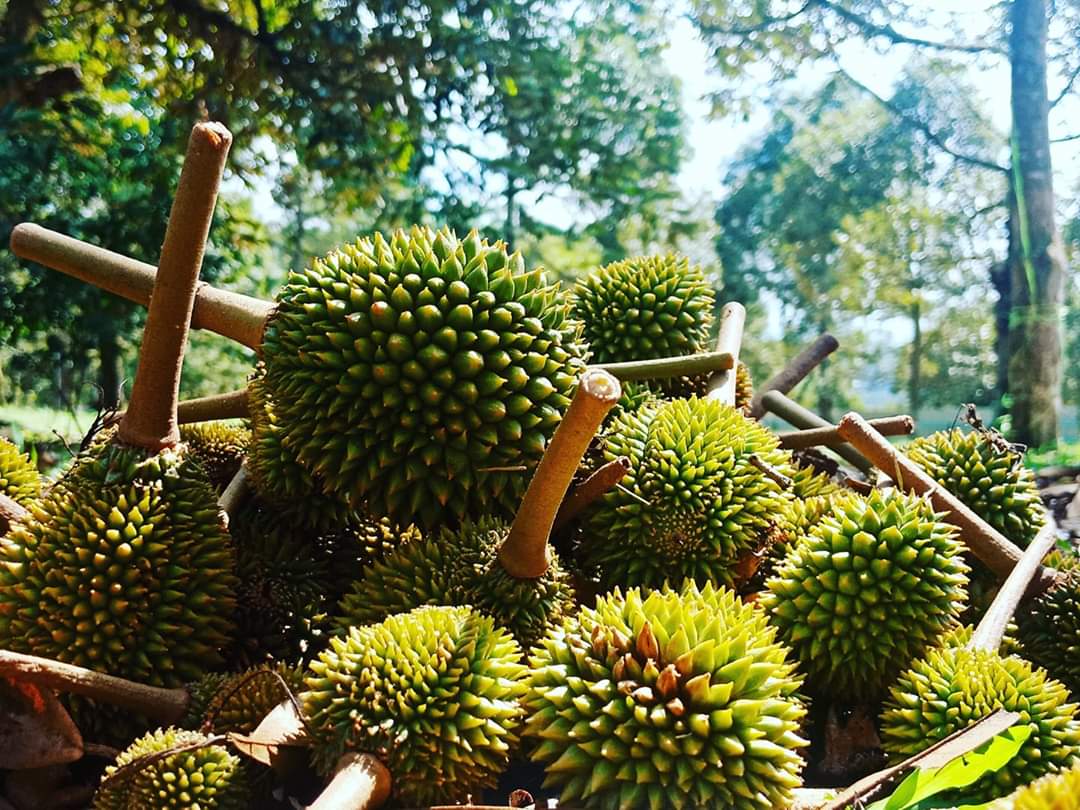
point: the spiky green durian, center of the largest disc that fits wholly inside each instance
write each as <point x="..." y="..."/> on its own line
<point x="1049" y="630"/>
<point x="19" y="478"/>
<point x="124" y="567"/>
<point x="219" y="447"/>
<point x="434" y="693"/>
<point x="1057" y="791"/>
<point x="809" y="482"/>
<point x="995" y="485"/>
<point x="238" y="703"/>
<point x="666" y="699"/>
<point x="409" y="372"/>
<point x="952" y="687"/>
<point x="460" y="567"/>
<point x="198" y="776"/>
<point x="744" y="387"/>
<point x="692" y="503"/>
<point x="867" y="590"/>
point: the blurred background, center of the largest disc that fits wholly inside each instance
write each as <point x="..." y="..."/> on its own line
<point x="905" y="175"/>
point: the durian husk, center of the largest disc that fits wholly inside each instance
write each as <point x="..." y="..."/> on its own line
<point x="19" y="478"/>
<point x="219" y="446"/>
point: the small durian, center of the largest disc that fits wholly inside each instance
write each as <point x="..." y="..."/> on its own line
<point x="1056" y="791"/>
<point x="1049" y="627"/>
<point x="666" y="699"/>
<point x="953" y="687"/>
<point x="873" y="584"/>
<point x="199" y="775"/>
<point x="692" y="504"/>
<point x="219" y="447"/>
<point x="221" y="703"/>
<point x="434" y="693"/>
<point x="19" y="478"/>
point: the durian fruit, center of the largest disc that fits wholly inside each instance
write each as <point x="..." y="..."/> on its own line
<point x="953" y="687"/>
<point x="808" y="482"/>
<point x="1048" y="629"/>
<point x="221" y="703"/>
<point x="19" y="478"/>
<point x="666" y="699"/>
<point x="198" y="776"/>
<point x="434" y="693"/>
<point x="693" y="503"/>
<point x="871" y="586"/>
<point x="1057" y="791"/>
<point x="219" y="447"/>
<point x="409" y="373"/>
<point x="744" y="387"/>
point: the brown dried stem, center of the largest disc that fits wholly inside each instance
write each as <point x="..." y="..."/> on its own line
<point x="770" y="471"/>
<point x="235" y="492"/>
<point x="982" y="539"/>
<point x="732" y="321"/>
<point x="687" y="365"/>
<point x="794" y="372"/>
<point x="233" y="405"/>
<point x="361" y="782"/>
<point x="606" y="477"/>
<point x="801" y="417"/>
<point x="150" y="421"/>
<point x="524" y="554"/>
<point x="235" y="316"/>
<point x="816" y="437"/>
<point x="10" y="511"/>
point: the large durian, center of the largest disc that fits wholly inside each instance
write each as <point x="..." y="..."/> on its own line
<point x="953" y="687"/>
<point x="19" y="478"/>
<point x="199" y="775"/>
<point x="1048" y="628"/>
<point x="409" y="373"/>
<point x="872" y="585"/>
<point x="1056" y="791"/>
<point x="434" y="693"/>
<point x="693" y="503"/>
<point x="219" y="447"/>
<point x="666" y="699"/>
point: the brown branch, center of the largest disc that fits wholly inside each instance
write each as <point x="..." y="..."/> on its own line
<point x="604" y="479"/>
<point x="686" y="365"/>
<point x="524" y="553"/>
<point x="233" y="405"/>
<point x="10" y="511"/>
<point x="794" y="372"/>
<point x="815" y="437"/>
<point x="235" y="492"/>
<point x="770" y="471"/>
<point x="806" y="419"/>
<point x="361" y="782"/>
<point x="886" y="31"/>
<point x="1067" y="88"/>
<point x="732" y="322"/>
<point x="238" y="317"/>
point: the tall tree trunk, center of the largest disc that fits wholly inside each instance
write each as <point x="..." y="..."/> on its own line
<point x="110" y="371"/>
<point x="511" y="218"/>
<point x="915" y="372"/>
<point x="1038" y="261"/>
<point x="1000" y="278"/>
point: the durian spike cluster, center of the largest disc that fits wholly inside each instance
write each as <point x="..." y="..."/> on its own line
<point x="19" y="478"/>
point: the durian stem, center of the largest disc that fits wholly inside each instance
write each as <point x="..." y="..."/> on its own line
<point x="983" y="540"/>
<point x="732" y="322"/>
<point x="524" y="553"/>
<point x="232" y="315"/>
<point x="794" y="372"/>
<point x="687" y="365"/>
<point x="816" y="437"/>
<point x="150" y="420"/>
<point x="235" y="492"/>
<point x="770" y="471"/>
<point x="10" y="511"/>
<point x="806" y="419"/>
<point x="165" y="706"/>
<point x="233" y="405"/>
<point x="590" y="489"/>
<point x="991" y="628"/>
<point x="361" y="782"/>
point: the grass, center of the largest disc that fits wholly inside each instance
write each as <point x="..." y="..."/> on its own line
<point x="34" y="422"/>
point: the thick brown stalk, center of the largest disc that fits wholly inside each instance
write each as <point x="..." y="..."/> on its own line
<point x="235" y="316"/>
<point x="235" y="492"/>
<point x="794" y="372"/>
<point x="150" y="421"/>
<point x="991" y="628"/>
<point x="687" y="365"/>
<point x="361" y="782"/>
<point x="11" y="510"/>
<point x="770" y="471"/>
<point x="165" y="706"/>
<point x="816" y="437"/>
<point x="732" y="321"/>
<point x="590" y="489"/>
<point x="233" y="405"/>
<point x="524" y="553"/>
<point x="801" y="417"/>
<point x="995" y="550"/>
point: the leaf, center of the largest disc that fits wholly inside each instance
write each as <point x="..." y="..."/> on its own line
<point x="281" y="728"/>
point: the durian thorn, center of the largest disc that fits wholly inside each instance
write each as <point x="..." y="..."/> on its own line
<point x="360" y="782"/>
<point x="602" y="480"/>
<point x="984" y="541"/>
<point x="150" y="421"/>
<point x="991" y="628"/>
<point x="630" y="493"/>
<point x="815" y="437"/>
<point x="805" y="419"/>
<point x="684" y="365"/>
<point x="232" y="315"/>
<point x="235" y="493"/>
<point x="732" y="321"/>
<point x="770" y="471"/>
<point x="794" y="372"/>
<point x="524" y="553"/>
<point x="10" y="511"/>
<point x="166" y="706"/>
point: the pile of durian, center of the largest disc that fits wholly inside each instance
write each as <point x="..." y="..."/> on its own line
<point x="382" y="552"/>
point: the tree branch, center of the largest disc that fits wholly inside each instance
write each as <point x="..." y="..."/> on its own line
<point x="765" y="24"/>
<point x="1066" y="138"/>
<point x="871" y="29"/>
<point x="1067" y="88"/>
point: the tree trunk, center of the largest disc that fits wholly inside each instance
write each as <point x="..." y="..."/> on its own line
<point x="915" y="369"/>
<point x="1000" y="278"/>
<point x="1038" y="265"/>
<point x="110" y="371"/>
<point x="508" y="228"/>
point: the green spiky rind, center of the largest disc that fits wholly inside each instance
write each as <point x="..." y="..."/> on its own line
<point x="744" y="387"/>
<point x="124" y="567"/>
<point x="219" y="447"/>
<point x="666" y="699"/>
<point x="19" y="478"/>
<point x="461" y="567"/>
<point x="692" y="503"/>
<point x="1058" y="791"/>
<point x="406" y="371"/>
<point x="869" y="588"/>
<point x="205" y="778"/>
<point x="238" y="703"/>
<point x="808" y="482"/>
<point x="645" y="307"/>
<point x="1049" y="631"/>
<point x="996" y="486"/>
<point x="434" y="693"/>
<point x="953" y="687"/>
<point x="634" y="396"/>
